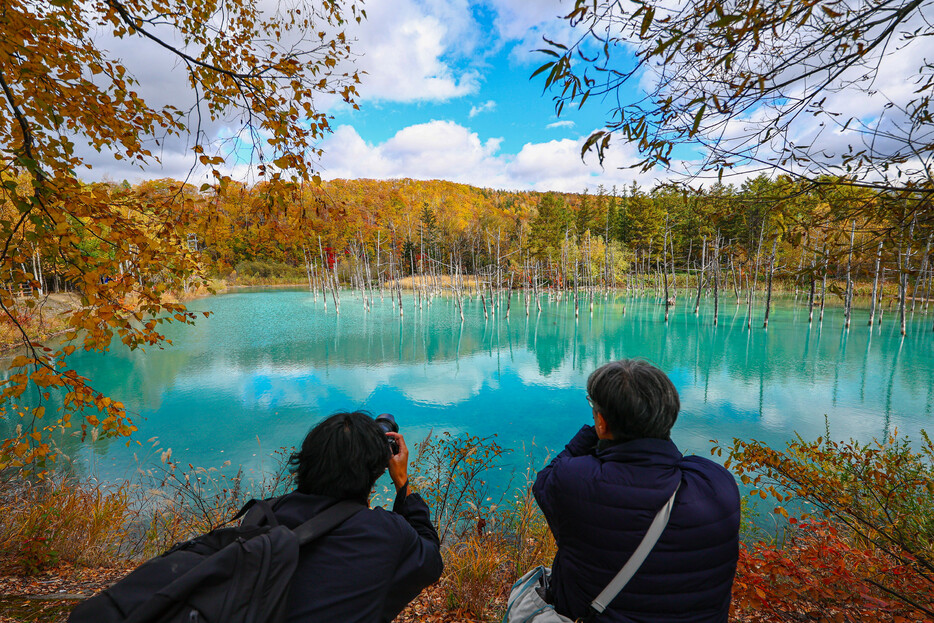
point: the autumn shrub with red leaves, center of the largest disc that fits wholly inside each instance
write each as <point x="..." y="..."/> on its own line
<point x="865" y="554"/>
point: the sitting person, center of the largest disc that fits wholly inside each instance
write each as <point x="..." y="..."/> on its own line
<point x="601" y="493"/>
<point x="368" y="568"/>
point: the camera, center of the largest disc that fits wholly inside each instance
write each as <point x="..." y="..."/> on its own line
<point x="387" y="422"/>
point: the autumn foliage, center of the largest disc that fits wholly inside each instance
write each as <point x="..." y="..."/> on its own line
<point x="858" y="540"/>
<point x="62" y="91"/>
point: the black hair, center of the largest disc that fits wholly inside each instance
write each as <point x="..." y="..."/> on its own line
<point x="341" y="457"/>
<point x="637" y="399"/>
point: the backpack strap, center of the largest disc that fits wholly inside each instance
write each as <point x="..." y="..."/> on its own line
<point x="326" y="520"/>
<point x="262" y="512"/>
<point x="243" y="511"/>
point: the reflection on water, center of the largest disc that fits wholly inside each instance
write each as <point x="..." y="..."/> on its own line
<point x="268" y="364"/>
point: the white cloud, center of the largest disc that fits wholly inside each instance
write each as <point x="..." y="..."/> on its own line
<point x="487" y="106"/>
<point x="449" y="151"/>
<point x="406" y="49"/>
<point x="434" y="150"/>
<point x="862" y="108"/>
<point x="567" y="123"/>
<point x="526" y="22"/>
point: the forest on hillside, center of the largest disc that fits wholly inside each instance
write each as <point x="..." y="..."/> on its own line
<point x="373" y="230"/>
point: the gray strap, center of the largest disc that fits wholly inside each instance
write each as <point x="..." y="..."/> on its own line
<point x="638" y="557"/>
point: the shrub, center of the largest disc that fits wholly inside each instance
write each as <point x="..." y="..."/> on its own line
<point x="817" y="575"/>
<point x="488" y="543"/>
<point x="448" y="472"/>
<point x="178" y="503"/>
<point x="867" y="547"/>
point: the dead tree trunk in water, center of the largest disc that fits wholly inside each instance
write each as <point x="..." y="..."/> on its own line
<point x="768" y="297"/>
<point x="904" y="266"/>
<point x="927" y="290"/>
<point x="674" y="276"/>
<point x="904" y="259"/>
<point x="665" y="269"/>
<point x="755" y="283"/>
<point x="307" y="268"/>
<point x="875" y="285"/>
<point x="823" y="288"/>
<point x="813" y="288"/>
<point x="700" y="275"/>
<point x="921" y="273"/>
<point x="324" y="274"/>
<point x="733" y="274"/>
<point x="848" y="300"/>
<point x="379" y="273"/>
<point x="509" y="297"/>
<point x="716" y="279"/>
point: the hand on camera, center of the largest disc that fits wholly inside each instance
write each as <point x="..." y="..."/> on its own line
<point x="399" y="462"/>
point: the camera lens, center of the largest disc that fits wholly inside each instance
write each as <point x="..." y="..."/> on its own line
<point x="387" y="422"/>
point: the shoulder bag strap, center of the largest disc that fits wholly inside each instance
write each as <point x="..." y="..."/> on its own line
<point x="635" y="561"/>
<point x="326" y="520"/>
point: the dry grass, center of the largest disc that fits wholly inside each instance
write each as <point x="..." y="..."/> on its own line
<point x="46" y="523"/>
<point x="482" y="567"/>
<point x="474" y="572"/>
<point x="426" y="281"/>
<point x="63" y="520"/>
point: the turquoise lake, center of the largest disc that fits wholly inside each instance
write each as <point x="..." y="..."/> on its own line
<point x="268" y="364"/>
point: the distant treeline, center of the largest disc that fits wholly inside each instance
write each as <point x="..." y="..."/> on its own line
<point x="608" y="237"/>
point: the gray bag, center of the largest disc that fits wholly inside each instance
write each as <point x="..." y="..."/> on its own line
<point x="526" y="603"/>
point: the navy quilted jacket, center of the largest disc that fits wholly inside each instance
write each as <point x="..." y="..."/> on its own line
<point x="599" y="503"/>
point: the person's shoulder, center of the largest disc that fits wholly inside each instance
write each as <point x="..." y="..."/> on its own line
<point x="387" y="519"/>
<point x="573" y="468"/>
<point x="704" y="466"/>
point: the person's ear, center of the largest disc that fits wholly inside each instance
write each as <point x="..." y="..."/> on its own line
<point x="600" y="424"/>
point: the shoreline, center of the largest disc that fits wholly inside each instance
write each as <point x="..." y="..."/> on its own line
<point x="64" y="303"/>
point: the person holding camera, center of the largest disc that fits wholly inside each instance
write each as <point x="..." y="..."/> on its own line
<point x="601" y="494"/>
<point x="370" y="566"/>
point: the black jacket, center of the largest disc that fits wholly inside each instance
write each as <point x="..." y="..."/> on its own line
<point x="367" y="569"/>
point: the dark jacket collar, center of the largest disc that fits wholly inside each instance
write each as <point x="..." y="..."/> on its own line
<point x="645" y="451"/>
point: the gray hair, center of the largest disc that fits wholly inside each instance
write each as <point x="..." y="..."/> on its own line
<point x="637" y="399"/>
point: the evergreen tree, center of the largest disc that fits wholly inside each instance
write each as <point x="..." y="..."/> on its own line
<point x="621" y="223"/>
<point x="606" y="220"/>
<point x="585" y="216"/>
<point x="644" y="219"/>
<point x="429" y="224"/>
<point x="549" y="226"/>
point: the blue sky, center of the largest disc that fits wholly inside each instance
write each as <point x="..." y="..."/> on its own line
<point x="505" y="103"/>
<point x="447" y="95"/>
